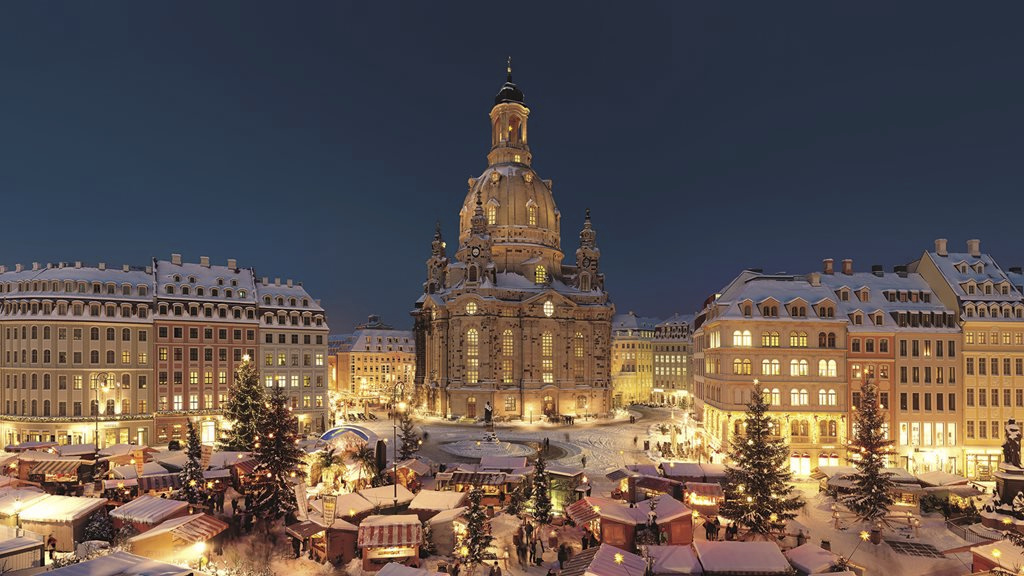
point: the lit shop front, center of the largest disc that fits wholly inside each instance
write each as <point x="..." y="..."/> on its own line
<point x="384" y="539"/>
<point x="982" y="462"/>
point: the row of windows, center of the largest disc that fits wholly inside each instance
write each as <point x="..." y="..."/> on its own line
<point x="94" y="356"/>
<point x="993" y="396"/>
<point x="31" y="381"/>
<point x="140" y="311"/>
<point x="927" y="434"/>
<point x="73" y="287"/>
<point x="281" y="380"/>
<point x="1010" y="366"/>
<point x="913" y="401"/>
<point x="282" y="359"/>
<point x="770" y="339"/>
<point x="800" y="397"/>
<point x="771" y="367"/>
<point x="993" y="310"/>
<point x="110" y="334"/>
<point x="111" y="408"/>
<point x="222" y="334"/>
<point x="772" y="311"/>
<point x="1003" y="338"/>
<point x="193" y="354"/>
<point x="919" y="348"/>
<point x="982" y="427"/>
<point x="918" y="374"/>
<point x="508" y="349"/>
<point x="186" y="290"/>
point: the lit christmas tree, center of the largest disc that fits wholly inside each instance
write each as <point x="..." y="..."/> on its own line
<point x="408" y="436"/>
<point x="192" y="481"/>
<point x="478" y="532"/>
<point x="758" y="493"/>
<point x="278" y="457"/>
<point x="245" y="408"/>
<point x="541" y="493"/>
<point x="872" y="493"/>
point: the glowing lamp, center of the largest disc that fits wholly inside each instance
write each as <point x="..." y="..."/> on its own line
<point x="619" y="558"/>
<point x="199" y="547"/>
<point x="996" y="553"/>
<point x="864" y="535"/>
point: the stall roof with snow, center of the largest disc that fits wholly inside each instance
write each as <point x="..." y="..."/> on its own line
<point x="10" y="498"/>
<point x="604" y="560"/>
<point x="396" y="569"/>
<point x="415" y="465"/>
<point x="121" y="564"/>
<point x="674" y="560"/>
<point x="723" y="558"/>
<point x="61" y="509"/>
<point x="76" y="450"/>
<point x="810" y="558"/>
<point x="384" y="496"/>
<point x="188" y="529"/>
<point x="148" y="509"/>
<point x="448" y="515"/>
<point x="437" y="500"/>
<point x="130" y="471"/>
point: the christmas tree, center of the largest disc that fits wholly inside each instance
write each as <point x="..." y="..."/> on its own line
<point x="278" y="457"/>
<point x="192" y="481"/>
<point x="408" y="436"/>
<point x="757" y="490"/>
<point x="541" y="492"/>
<point x="478" y="531"/>
<point x="245" y="408"/>
<point x="99" y="527"/>
<point x="872" y="487"/>
<point x="650" y="534"/>
<point x="519" y="497"/>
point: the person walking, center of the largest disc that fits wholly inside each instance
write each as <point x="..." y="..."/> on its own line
<point x="495" y="570"/>
<point x="585" y="538"/>
<point x="562" y="556"/>
<point x="51" y="545"/>
<point x="718" y="527"/>
<point x="583" y="460"/>
<point x="533" y="551"/>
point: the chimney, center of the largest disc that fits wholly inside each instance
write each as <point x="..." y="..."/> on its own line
<point x="900" y="271"/>
<point x="17" y="267"/>
<point x="815" y="279"/>
<point x="102" y="266"/>
<point x="204" y="261"/>
<point x="289" y="282"/>
<point x="35" y="265"/>
<point x="974" y="248"/>
<point x="756" y="270"/>
<point x="277" y="281"/>
<point x="3" y="269"/>
<point x="829" y="266"/>
<point x="940" y="247"/>
<point x="847" y="266"/>
<point x="176" y="259"/>
<point x="266" y="281"/>
<point x="232" y="263"/>
<point x="78" y="263"/>
<point x="1016" y="270"/>
<point x="877" y="270"/>
<point x="49" y="265"/>
<point x="149" y="269"/>
<point x="125" y="268"/>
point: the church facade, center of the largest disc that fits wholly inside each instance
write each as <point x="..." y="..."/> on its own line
<point x="505" y="323"/>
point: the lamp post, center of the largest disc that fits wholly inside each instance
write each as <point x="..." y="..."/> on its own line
<point x="396" y="407"/>
<point x="17" y="512"/>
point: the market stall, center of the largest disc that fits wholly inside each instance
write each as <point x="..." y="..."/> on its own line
<point x="64" y="517"/>
<point x="673" y="560"/>
<point x="725" y="558"/>
<point x="146" y="512"/>
<point x="384" y="498"/>
<point x="14" y="500"/>
<point x="494" y="485"/>
<point x="704" y="497"/>
<point x="444" y="530"/>
<point x="410" y="472"/>
<point x="159" y="484"/>
<point x="178" y="538"/>
<point x="122" y="564"/>
<point x="392" y="538"/>
<point x="57" y="471"/>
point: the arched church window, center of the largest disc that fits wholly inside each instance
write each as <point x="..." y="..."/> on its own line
<point x="540" y="275"/>
<point x="492" y="215"/>
<point x="472" y="356"/>
<point x="531" y="215"/>
<point x="547" y="351"/>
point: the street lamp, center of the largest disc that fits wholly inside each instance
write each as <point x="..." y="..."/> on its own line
<point x="17" y="511"/>
<point x="396" y="407"/>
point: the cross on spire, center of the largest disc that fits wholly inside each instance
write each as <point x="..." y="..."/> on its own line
<point x="508" y="68"/>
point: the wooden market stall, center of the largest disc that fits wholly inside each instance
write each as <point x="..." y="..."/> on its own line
<point x="428" y="503"/>
<point x="15" y="500"/>
<point x="410" y="473"/>
<point x="617" y="523"/>
<point x="384" y="498"/>
<point x="20" y="550"/>
<point x="740" y="558"/>
<point x="673" y="560"/>
<point x="444" y="529"/>
<point x="146" y="512"/>
<point x="178" y="538"/>
<point x="604" y="560"/>
<point x="392" y="538"/>
<point x="335" y="543"/>
<point x="704" y="497"/>
<point x="159" y="484"/>
<point x="494" y="485"/>
<point x="122" y="564"/>
<point x="64" y="517"/>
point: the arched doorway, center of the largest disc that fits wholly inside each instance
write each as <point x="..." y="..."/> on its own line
<point x="549" y="405"/>
<point x="471" y="407"/>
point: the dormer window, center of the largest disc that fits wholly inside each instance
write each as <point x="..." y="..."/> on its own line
<point x="988" y="288"/>
<point x="191" y="279"/>
<point x="979" y="267"/>
<point x="177" y="278"/>
<point x="962" y="268"/>
<point x="970" y="289"/>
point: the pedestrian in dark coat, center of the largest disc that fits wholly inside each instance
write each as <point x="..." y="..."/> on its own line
<point x="562" y="556"/>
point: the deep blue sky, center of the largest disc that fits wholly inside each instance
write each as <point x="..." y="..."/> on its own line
<point x="320" y="141"/>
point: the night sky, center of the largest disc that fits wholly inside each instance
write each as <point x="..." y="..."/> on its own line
<point x="320" y="141"/>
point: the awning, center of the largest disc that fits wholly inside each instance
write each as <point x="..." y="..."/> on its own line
<point x="57" y="467"/>
<point x="707" y="490"/>
<point x="216" y="474"/>
<point x="303" y="530"/>
<point x="245" y="467"/>
<point x="402" y="530"/>
<point x="160" y="483"/>
<point x="581" y="511"/>
<point x="478" y="479"/>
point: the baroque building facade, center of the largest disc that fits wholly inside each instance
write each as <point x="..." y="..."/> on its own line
<point x="93" y="354"/>
<point x="367" y="364"/>
<point x="505" y="322"/>
<point x="671" y="347"/>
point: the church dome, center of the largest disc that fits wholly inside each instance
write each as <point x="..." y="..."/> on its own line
<point x="509" y="93"/>
<point x="519" y="206"/>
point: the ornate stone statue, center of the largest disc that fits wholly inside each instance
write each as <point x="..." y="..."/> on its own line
<point x="1011" y="447"/>
<point x="489" y="412"/>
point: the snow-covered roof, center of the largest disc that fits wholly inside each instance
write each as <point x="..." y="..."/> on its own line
<point x="238" y="280"/>
<point x="810" y="558"/>
<point x="437" y="500"/>
<point x="121" y="564"/>
<point x="447" y="516"/>
<point x="76" y="450"/>
<point x="377" y="340"/>
<point x="674" y="560"/>
<point x="172" y="459"/>
<point x="227" y="458"/>
<point x="631" y="321"/>
<point x="940" y="478"/>
<point x="384" y="496"/>
<point x="875" y="288"/>
<point x="39" y="282"/>
<point x="667" y="508"/>
<point x="351" y="504"/>
<point x="195" y="528"/>
<point x="15" y="545"/>
<point x="724" y="557"/>
<point x="12" y="498"/>
<point x="61" y="508"/>
<point x="978" y="270"/>
<point x="282" y="294"/>
<point x="130" y="471"/>
<point x="148" y="509"/>
<point x="1002" y="553"/>
<point x="604" y="560"/>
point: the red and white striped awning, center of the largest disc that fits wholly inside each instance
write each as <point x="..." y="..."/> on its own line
<point x="401" y="530"/>
<point x="57" y="467"/>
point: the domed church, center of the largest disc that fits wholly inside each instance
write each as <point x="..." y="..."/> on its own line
<point x="505" y="325"/>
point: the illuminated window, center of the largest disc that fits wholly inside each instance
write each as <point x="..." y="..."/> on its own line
<point x="741" y="339"/>
<point x="798" y="367"/>
<point x="578" y="360"/>
<point x="471" y="308"/>
<point x="770" y="339"/>
<point x="163" y="354"/>
<point x="769" y="367"/>
<point x="798" y="397"/>
<point x="540" y="275"/>
<point x="507" y="350"/>
<point x="510" y="403"/>
<point x="531" y="215"/>
<point x="193" y="377"/>
<point x="741" y="366"/>
<point x="549" y="309"/>
<point x="492" y="215"/>
<point x="773" y="396"/>
<point x="472" y="356"/>
<point x="547" y="348"/>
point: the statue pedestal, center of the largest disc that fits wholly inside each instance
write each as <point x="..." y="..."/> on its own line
<point x="1009" y="481"/>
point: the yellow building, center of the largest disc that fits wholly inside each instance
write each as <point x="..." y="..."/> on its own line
<point x="367" y="364"/>
<point x="779" y="335"/>
<point x="671" y="349"/>
<point x="990" y="307"/>
<point x="632" y="359"/>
